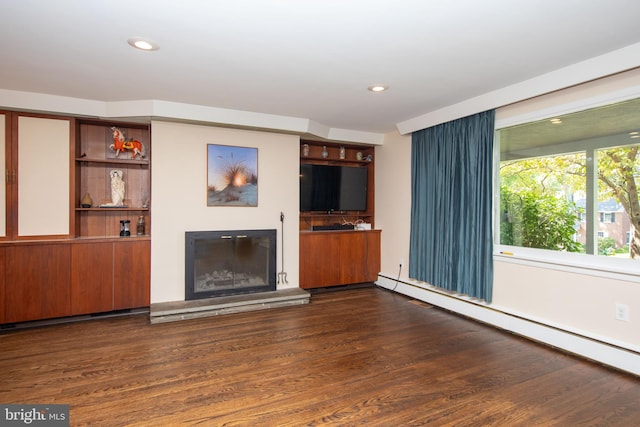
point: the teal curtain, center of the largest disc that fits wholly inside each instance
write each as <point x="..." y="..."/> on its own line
<point x="451" y="244"/>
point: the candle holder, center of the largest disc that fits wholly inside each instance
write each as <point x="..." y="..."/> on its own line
<point x="125" y="230"/>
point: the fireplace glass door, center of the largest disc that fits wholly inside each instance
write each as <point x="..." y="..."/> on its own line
<point x="222" y="263"/>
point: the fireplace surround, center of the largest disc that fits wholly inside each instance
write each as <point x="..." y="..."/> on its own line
<point x="229" y="262"/>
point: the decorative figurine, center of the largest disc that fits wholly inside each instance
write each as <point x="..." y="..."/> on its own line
<point x="120" y="143"/>
<point x="117" y="190"/>
<point x="86" y="201"/>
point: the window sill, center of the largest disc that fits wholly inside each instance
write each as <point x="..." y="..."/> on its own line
<point x="593" y="265"/>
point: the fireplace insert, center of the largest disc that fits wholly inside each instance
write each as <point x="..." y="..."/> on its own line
<point x="230" y="262"/>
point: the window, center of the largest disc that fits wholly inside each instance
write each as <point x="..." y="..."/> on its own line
<point x="608" y="217"/>
<point x="568" y="183"/>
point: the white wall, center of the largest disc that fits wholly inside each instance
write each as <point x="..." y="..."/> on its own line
<point x="179" y="203"/>
<point x="575" y="302"/>
<point x="393" y="202"/>
<point x="591" y="69"/>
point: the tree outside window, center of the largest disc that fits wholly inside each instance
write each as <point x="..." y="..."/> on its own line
<point x="566" y="181"/>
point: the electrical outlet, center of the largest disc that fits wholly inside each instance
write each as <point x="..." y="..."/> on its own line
<point x="622" y="312"/>
<point x="401" y="262"/>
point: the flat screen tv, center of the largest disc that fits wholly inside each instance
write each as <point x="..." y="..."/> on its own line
<point x="332" y="188"/>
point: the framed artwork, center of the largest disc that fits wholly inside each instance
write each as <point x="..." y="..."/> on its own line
<point x="232" y="176"/>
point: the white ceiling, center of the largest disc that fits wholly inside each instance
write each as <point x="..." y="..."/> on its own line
<point x="311" y="59"/>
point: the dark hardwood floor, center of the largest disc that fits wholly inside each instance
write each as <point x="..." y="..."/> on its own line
<point x="354" y="357"/>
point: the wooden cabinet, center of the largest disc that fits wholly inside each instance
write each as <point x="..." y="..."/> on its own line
<point x="131" y="274"/>
<point x="36" y="281"/>
<point x="6" y="174"/>
<point x="330" y="258"/>
<point x="58" y="258"/>
<point x="72" y="277"/>
<point x="118" y="273"/>
<point x="94" y="162"/>
<point x="91" y="277"/>
<point x="36" y="157"/>
<point x="110" y="275"/>
<point x="311" y="152"/>
<point x="2" y="284"/>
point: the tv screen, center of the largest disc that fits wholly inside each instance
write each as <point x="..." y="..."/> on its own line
<point x="332" y="188"/>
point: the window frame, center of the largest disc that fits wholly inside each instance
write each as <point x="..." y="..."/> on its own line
<point x="591" y="264"/>
<point x="607" y="217"/>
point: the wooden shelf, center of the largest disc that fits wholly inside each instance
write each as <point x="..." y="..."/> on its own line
<point x="129" y="209"/>
<point x="339" y="257"/>
<point x="119" y="161"/>
<point x="321" y="160"/>
<point x="351" y="154"/>
<point x="333" y="153"/>
<point x="93" y="162"/>
<point x="112" y="238"/>
<point x="335" y="213"/>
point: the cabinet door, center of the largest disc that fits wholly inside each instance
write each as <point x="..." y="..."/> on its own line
<point x="373" y="256"/>
<point x="37" y="282"/>
<point x="339" y="258"/>
<point x="353" y="256"/>
<point x="131" y="273"/>
<point x="91" y="277"/>
<point x="319" y="260"/>
<point x="43" y="176"/>
<point x="2" y="286"/>
<point x="6" y="178"/>
<point x="359" y="256"/>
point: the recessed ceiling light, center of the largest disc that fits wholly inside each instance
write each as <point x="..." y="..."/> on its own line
<point x="378" y="88"/>
<point x="142" y="43"/>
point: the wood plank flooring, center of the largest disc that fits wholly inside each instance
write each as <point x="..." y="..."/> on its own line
<point x="354" y="357"/>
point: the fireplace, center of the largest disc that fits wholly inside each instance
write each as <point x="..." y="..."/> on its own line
<point x="231" y="262"/>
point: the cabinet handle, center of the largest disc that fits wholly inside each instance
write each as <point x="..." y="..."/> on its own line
<point x="226" y="237"/>
<point x="241" y="236"/>
<point x="10" y="176"/>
